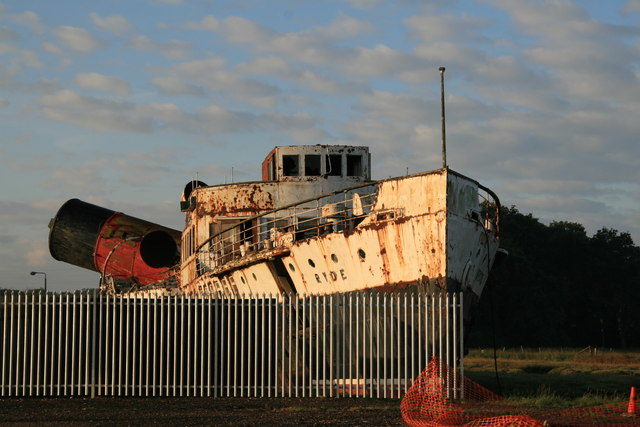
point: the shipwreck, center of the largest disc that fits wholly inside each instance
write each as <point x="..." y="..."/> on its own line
<point x="316" y="223"/>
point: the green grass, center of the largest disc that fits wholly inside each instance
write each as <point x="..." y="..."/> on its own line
<point x="549" y="399"/>
<point x="588" y="355"/>
<point x="556" y="378"/>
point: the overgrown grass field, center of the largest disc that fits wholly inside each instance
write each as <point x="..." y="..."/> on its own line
<point x="556" y="377"/>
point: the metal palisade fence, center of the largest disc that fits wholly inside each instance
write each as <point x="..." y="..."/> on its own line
<point x="363" y="344"/>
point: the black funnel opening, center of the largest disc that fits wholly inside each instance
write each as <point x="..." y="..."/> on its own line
<point x="158" y="249"/>
<point x="188" y="189"/>
<point x="74" y="231"/>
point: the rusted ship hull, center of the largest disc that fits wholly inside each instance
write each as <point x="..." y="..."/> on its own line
<point x="432" y="231"/>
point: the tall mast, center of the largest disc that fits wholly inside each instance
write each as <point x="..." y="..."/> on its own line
<point x="444" y="132"/>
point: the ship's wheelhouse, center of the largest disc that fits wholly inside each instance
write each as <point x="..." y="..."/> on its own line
<point x="314" y="162"/>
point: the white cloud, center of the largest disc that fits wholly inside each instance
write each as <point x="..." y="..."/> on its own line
<point x="103" y="83"/>
<point x="8" y="75"/>
<point x="197" y="77"/>
<point x="325" y="84"/>
<point x="434" y="27"/>
<point x="174" y="86"/>
<point x="19" y="57"/>
<point x="79" y="178"/>
<point x="363" y="4"/>
<point x="631" y="6"/>
<point x="116" y="24"/>
<point x="7" y="34"/>
<point x="567" y="205"/>
<point x="52" y="48"/>
<point x="343" y="27"/>
<point x="105" y="115"/>
<point x="37" y="255"/>
<point x="320" y="47"/>
<point x="396" y="107"/>
<point x="97" y="114"/>
<point x="174" y="49"/>
<point x="201" y="68"/>
<point x="242" y="30"/>
<point x="208" y="23"/>
<point x="552" y="186"/>
<point x="582" y="56"/>
<point x="78" y="39"/>
<point x="543" y="15"/>
<point x="30" y="20"/>
<point x="28" y="58"/>
<point x="381" y="61"/>
<point x="271" y="65"/>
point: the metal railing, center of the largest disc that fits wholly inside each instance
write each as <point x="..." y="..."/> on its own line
<point x="345" y="345"/>
<point x="272" y="232"/>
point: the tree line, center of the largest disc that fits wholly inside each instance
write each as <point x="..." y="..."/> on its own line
<point x="560" y="287"/>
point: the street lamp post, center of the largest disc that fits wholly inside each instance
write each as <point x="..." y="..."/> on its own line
<point x="33" y="273"/>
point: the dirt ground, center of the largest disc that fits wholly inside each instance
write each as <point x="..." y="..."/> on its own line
<point x="199" y="411"/>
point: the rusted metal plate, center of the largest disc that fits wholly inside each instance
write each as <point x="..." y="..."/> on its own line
<point x="422" y="229"/>
<point x="233" y="200"/>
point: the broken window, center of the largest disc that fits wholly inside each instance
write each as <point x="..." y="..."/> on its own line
<point x="291" y="165"/>
<point x="312" y="165"/>
<point x="354" y="165"/>
<point x="334" y="165"/>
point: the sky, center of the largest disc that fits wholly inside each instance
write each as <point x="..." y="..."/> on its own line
<point x="120" y="103"/>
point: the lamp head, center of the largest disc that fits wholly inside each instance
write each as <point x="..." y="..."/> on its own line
<point x="33" y="273"/>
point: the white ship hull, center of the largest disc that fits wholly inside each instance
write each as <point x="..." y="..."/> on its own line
<point x="426" y="231"/>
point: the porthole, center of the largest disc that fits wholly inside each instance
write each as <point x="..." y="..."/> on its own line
<point x="254" y="276"/>
<point x="362" y="254"/>
<point x="311" y="263"/>
<point x="291" y="267"/>
<point x="334" y="258"/>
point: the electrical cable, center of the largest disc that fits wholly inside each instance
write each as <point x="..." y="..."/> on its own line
<point x="491" y="309"/>
<point x="493" y="336"/>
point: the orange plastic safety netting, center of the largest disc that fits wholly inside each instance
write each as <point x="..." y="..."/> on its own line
<point x="440" y="398"/>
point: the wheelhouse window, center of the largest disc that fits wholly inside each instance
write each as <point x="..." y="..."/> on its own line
<point x="334" y="165"/>
<point x="312" y="165"/>
<point x="272" y="168"/>
<point x="291" y="165"/>
<point x="354" y="165"/>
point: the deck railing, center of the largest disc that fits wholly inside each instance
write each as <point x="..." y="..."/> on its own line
<point x="264" y="235"/>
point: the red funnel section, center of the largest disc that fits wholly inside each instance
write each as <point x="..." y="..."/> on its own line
<point x="113" y="243"/>
<point x="134" y="250"/>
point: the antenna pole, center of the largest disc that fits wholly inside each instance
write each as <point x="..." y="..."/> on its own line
<point x="444" y="132"/>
